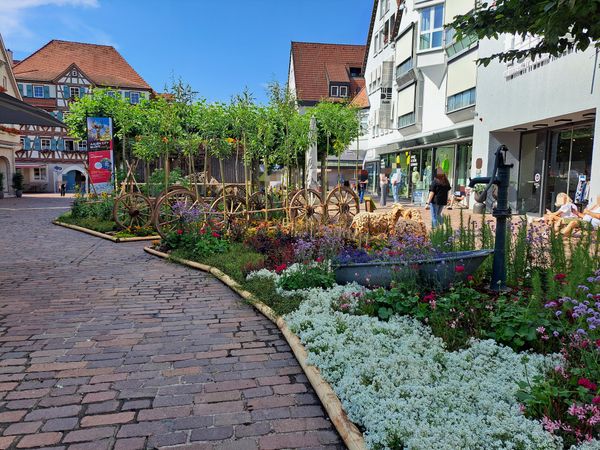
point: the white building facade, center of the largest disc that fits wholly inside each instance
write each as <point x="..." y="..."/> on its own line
<point x="422" y="90"/>
<point x="544" y="111"/>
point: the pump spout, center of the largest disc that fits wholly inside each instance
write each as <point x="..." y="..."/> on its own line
<point x="479" y="180"/>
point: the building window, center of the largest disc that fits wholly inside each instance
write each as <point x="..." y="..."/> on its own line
<point x="4" y="82"/>
<point x="454" y="47"/>
<point x="334" y="91"/>
<point x="461" y="100"/>
<point x="45" y="144"/>
<point x="111" y="94"/>
<point x="406" y="120"/>
<point x="343" y="91"/>
<point x="134" y="98"/>
<point x="355" y="72"/>
<point x="404" y="67"/>
<point x="82" y="146"/>
<point x="432" y="27"/>
<point x="39" y="174"/>
<point x="75" y="92"/>
<point x="38" y="91"/>
<point x="22" y="141"/>
<point x="69" y="146"/>
<point x="74" y="73"/>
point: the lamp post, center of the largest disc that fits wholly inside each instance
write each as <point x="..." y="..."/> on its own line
<point x="501" y="178"/>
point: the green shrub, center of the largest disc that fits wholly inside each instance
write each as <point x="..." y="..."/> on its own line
<point x="307" y="277"/>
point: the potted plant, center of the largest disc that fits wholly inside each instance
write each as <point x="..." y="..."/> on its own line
<point x="1" y="185"/>
<point x="17" y="183"/>
<point x="480" y="193"/>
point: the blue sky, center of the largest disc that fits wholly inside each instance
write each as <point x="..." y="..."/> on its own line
<point x="217" y="46"/>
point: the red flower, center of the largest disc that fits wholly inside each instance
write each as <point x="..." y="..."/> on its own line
<point x="470" y="278"/>
<point x="319" y="259"/>
<point x="280" y="268"/>
<point x="560" y="276"/>
<point x="180" y="231"/>
<point x="587" y="384"/>
<point x="459" y="269"/>
<point x="203" y="231"/>
<point x="596" y="400"/>
<point x="215" y="234"/>
<point x="598" y="343"/>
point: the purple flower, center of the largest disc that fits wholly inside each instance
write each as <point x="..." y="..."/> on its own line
<point x="581" y="331"/>
<point x="558" y="313"/>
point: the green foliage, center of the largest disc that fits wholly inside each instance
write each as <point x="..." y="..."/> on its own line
<point x="442" y="236"/>
<point x="307" y="277"/>
<point x="17" y="181"/>
<point x="100" y="208"/>
<point x="563" y="25"/>
<point x="194" y="243"/>
<point x="156" y="181"/>
<point x="92" y="223"/>
<point x="337" y="124"/>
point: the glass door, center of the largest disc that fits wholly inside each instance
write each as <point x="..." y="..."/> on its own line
<point x="444" y="159"/>
<point x="531" y="172"/>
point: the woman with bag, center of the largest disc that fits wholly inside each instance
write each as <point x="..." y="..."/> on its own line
<point x="438" y="197"/>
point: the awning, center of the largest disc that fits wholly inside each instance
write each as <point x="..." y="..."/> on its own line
<point x="15" y="112"/>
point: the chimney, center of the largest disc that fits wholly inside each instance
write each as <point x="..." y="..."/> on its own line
<point x="10" y="56"/>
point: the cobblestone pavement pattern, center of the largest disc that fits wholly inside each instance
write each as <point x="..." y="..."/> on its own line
<point x="103" y="346"/>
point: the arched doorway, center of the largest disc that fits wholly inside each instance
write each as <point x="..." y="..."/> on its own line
<point x="74" y="178"/>
<point x="5" y="169"/>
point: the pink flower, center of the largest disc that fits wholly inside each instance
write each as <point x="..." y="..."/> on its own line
<point x="215" y="234"/>
<point x="596" y="400"/>
<point x="587" y="384"/>
<point x="319" y="259"/>
<point x="459" y="269"/>
<point x="560" y="276"/>
<point x="179" y="231"/>
<point x="540" y="330"/>
<point x="470" y="278"/>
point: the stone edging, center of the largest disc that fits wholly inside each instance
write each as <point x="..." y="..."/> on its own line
<point x="108" y="237"/>
<point x="351" y="435"/>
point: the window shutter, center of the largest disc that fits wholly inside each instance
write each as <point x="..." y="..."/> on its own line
<point x="53" y="144"/>
<point x="27" y="143"/>
<point x="29" y="90"/>
<point x="67" y="91"/>
<point x="21" y="90"/>
<point x="61" y="142"/>
<point x="83" y="91"/>
<point x="59" y="115"/>
<point x="127" y="94"/>
<point x="46" y="91"/>
<point x="37" y="144"/>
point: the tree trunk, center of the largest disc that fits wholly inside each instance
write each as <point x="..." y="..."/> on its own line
<point x="323" y="175"/>
<point x="222" y="170"/>
<point x="266" y="191"/>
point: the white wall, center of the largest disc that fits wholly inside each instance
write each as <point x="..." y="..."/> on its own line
<point x="561" y="88"/>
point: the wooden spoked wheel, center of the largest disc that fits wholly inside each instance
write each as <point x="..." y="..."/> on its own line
<point x="342" y="205"/>
<point x="258" y="202"/>
<point x="132" y="210"/>
<point x="171" y="209"/>
<point x="306" y="207"/>
<point x="225" y="209"/>
<point x="232" y="189"/>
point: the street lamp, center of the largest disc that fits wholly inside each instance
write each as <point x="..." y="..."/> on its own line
<point x="500" y="177"/>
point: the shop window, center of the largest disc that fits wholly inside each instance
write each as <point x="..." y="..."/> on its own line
<point x="431" y="30"/>
<point x="461" y="100"/>
<point x="39" y="174"/>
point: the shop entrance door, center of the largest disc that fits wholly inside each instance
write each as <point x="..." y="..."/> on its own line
<point x="531" y="172"/>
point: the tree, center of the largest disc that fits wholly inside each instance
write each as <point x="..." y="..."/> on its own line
<point x="562" y="25"/>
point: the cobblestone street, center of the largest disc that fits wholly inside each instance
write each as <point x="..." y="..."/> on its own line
<point x="103" y="346"/>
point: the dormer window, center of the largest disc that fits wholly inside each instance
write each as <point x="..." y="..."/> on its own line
<point x="355" y="72"/>
<point x="337" y="90"/>
<point x="343" y="91"/>
<point x="334" y="91"/>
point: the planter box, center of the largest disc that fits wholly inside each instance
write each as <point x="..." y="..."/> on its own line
<point x="438" y="272"/>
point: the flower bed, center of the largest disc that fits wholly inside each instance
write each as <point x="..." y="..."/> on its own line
<point x="418" y="367"/>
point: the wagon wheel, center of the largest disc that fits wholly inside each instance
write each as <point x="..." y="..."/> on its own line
<point x="225" y="209"/>
<point x="131" y="210"/>
<point x="257" y="202"/>
<point x="232" y="189"/>
<point x="170" y="208"/>
<point x="306" y="207"/>
<point x="342" y="205"/>
<point x="287" y="201"/>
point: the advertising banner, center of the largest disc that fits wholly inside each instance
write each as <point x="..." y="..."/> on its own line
<point x="100" y="154"/>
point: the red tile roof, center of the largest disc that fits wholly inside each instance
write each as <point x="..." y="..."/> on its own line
<point x="361" y="100"/>
<point x="337" y="72"/>
<point x="313" y="61"/>
<point x="101" y="63"/>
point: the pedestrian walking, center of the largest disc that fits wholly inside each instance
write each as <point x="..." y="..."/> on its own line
<point x="362" y="185"/>
<point x="438" y="197"/>
<point x="383" y="184"/>
<point x="63" y="189"/>
<point x="395" y="186"/>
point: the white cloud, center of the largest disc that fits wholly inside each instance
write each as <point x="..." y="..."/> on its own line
<point x="14" y="13"/>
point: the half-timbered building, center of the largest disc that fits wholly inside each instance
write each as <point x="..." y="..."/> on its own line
<point x="52" y="78"/>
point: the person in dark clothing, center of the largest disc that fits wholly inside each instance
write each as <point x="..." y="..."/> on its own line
<point x="63" y="189"/>
<point x="438" y="197"/>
